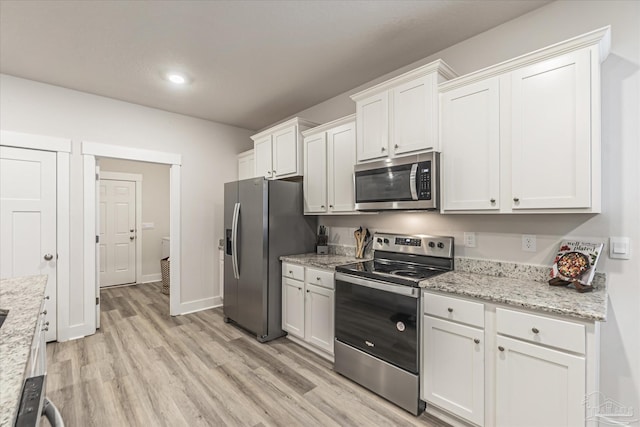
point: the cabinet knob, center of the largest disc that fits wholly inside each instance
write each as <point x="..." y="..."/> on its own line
<point x="331" y="206"/>
<point x="535" y="330"/>
<point x="450" y="310"/>
<point x="382" y="149"/>
<point x="501" y="348"/>
<point x="476" y="340"/>
<point x="47" y="297"/>
<point x="299" y="288"/>
<point x="307" y="290"/>
<point x="317" y="278"/>
<point x="48" y="257"/>
<point x="322" y="206"/>
<point x="515" y="199"/>
<point x="396" y="146"/>
<point x="44" y="312"/>
<point x="274" y="171"/>
<point x="493" y="200"/>
<point x="290" y="272"/>
<point x="46" y="328"/>
<point x="268" y="172"/>
<point x="46" y="323"/>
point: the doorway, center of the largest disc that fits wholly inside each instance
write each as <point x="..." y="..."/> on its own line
<point x="92" y="151"/>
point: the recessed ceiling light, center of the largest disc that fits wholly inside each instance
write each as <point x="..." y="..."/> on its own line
<point x="176" y="78"/>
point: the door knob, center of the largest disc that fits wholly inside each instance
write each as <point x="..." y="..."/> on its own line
<point x="48" y="257"/>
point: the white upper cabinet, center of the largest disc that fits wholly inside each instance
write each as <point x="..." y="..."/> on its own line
<point x="315" y="173"/>
<point x="524" y="136"/>
<point x="246" y="165"/>
<point x="551" y="131"/>
<point x="400" y="116"/>
<point x="471" y="153"/>
<point x="329" y="158"/>
<point x="278" y="150"/>
<point x="415" y="115"/>
<point x="262" y="156"/>
<point x="373" y="126"/>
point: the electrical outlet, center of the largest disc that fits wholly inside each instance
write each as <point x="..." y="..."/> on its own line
<point x="470" y="240"/>
<point x="529" y="242"/>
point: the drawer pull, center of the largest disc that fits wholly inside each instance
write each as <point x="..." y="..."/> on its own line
<point x="450" y="310"/>
<point x="501" y="348"/>
<point x="535" y="330"/>
<point x="476" y="340"/>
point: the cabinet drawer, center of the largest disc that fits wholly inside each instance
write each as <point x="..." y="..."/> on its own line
<point x="293" y="271"/>
<point x="318" y="277"/>
<point x="458" y="310"/>
<point x="543" y="330"/>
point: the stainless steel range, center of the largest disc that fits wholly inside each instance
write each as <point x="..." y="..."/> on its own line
<point x="377" y="312"/>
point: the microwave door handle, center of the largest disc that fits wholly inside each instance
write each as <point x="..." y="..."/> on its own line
<point x="413" y="181"/>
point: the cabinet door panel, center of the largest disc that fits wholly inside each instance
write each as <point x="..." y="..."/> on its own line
<point x="293" y="307"/>
<point x="285" y="152"/>
<point x="246" y="167"/>
<point x="454" y="368"/>
<point x="414" y="127"/>
<point x="315" y="174"/>
<point x="342" y="158"/>
<point x="527" y="373"/>
<point x="319" y="317"/>
<point x="262" y="154"/>
<point x="471" y="147"/>
<point x="551" y="132"/>
<point x="373" y="127"/>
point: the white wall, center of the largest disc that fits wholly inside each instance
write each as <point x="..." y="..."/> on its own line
<point x="155" y="209"/>
<point x="208" y="152"/>
<point x="499" y="237"/>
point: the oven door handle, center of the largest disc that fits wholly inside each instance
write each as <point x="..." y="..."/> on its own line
<point x="374" y="284"/>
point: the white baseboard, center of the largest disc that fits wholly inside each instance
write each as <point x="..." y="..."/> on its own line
<point x="217" y="301"/>
<point x="148" y="278"/>
<point x="198" y="305"/>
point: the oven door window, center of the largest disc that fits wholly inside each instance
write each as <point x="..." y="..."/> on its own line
<point x="384" y="185"/>
<point x="379" y="323"/>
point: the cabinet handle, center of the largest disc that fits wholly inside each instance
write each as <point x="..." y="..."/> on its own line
<point x="307" y="290"/>
<point x="501" y="348"/>
<point x="492" y="200"/>
<point x="48" y="257"/>
<point x="317" y="278"/>
<point x="46" y="328"/>
<point x="396" y="146"/>
<point x="46" y="323"/>
<point x="44" y="312"/>
<point x="515" y="199"/>
<point x="382" y="149"/>
<point x="535" y="330"/>
<point x="268" y="172"/>
<point x="322" y="206"/>
<point x="299" y="288"/>
<point x="477" y="341"/>
<point x="290" y="272"/>
<point x="47" y="297"/>
<point x="450" y="310"/>
<point x="331" y="206"/>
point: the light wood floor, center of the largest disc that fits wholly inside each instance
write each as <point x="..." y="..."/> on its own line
<point x="145" y="368"/>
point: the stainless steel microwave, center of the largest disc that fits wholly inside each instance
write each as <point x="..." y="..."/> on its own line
<point x="406" y="183"/>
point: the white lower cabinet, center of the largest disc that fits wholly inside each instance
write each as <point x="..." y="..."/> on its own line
<point x="538" y="386"/>
<point x="508" y="368"/>
<point x="308" y="307"/>
<point x="454" y="368"/>
<point x="453" y="365"/>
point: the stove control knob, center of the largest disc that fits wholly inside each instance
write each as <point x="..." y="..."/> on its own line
<point x="440" y="245"/>
<point x="379" y="240"/>
<point x="432" y="245"/>
<point x="386" y="241"/>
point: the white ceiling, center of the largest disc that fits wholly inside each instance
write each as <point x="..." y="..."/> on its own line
<point x="252" y="62"/>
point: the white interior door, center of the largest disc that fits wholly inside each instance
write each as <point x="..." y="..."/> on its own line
<point x="28" y="220"/>
<point x="117" y="214"/>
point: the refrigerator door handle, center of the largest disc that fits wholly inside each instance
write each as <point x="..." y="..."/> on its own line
<point x="234" y="241"/>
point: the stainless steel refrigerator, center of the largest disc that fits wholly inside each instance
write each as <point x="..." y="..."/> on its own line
<point x="263" y="220"/>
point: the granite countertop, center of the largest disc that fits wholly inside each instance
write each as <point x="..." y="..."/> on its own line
<point x="521" y="285"/>
<point x="23" y="297"/>
<point x="329" y="261"/>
